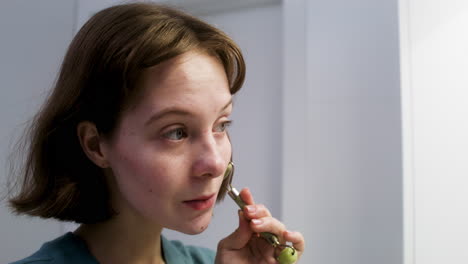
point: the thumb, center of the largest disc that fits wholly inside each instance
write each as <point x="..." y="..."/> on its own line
<point x="240" y="237"/>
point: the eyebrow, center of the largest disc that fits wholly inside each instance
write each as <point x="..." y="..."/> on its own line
<point x="176" y="111"/>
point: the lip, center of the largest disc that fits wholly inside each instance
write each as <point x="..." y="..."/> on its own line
<point x="202" y="202"/>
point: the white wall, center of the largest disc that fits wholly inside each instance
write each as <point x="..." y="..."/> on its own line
<point x="342" y="144"/>
<point x="33" y="39"/>
<point x="435" y="113"/>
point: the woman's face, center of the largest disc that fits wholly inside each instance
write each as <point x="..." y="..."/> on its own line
<point x="169" y="152"/>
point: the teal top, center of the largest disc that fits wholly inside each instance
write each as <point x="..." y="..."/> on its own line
<point x="71" y="249"/>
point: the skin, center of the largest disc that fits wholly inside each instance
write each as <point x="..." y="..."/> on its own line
<point x="244" y="246"/>
<point x="171" y="147"/>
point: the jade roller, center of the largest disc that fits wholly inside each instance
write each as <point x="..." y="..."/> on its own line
<point x="288" y="254"/>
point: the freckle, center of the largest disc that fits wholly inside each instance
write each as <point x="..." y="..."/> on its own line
<point x="150" y="190"/>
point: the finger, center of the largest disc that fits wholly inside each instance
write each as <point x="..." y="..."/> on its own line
<point x="296" y="238"/>
<point x="246" y="196"/>
<point x="268" y="224"/>
<point x="240" y="237"/>
<point x="256" y="211"/>
<point x="257" y="246"/>
<point x="264" y="251"/>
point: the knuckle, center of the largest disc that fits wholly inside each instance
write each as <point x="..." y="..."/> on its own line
<point x="260" y="206"/>
<point x="279" y="224"/>
<point x="263" y="208"/>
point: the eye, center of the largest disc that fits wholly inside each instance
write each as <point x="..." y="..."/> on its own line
<point x="175" y="134"/>
<point x="223" y="126"/>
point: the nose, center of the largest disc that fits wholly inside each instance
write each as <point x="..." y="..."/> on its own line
<point x="209" y="160"/>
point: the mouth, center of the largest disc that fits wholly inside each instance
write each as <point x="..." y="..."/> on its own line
<point x="201" y="203"/>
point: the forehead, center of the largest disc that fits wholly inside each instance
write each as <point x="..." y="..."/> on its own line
<point x="190" y="79"/>
<point x="188" y="70"/>
<point x="186" y="64"/>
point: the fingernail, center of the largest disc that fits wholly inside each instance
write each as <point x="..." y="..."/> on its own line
<point x="250" y="208"/>
<point x="257" y="221"/>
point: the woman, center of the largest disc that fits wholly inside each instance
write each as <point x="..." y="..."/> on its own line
<point x="133" y="139"/>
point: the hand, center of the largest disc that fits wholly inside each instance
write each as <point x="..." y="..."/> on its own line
<point x="245" y="245"/>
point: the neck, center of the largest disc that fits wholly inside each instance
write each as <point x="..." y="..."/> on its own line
<point x="123" y="240"/>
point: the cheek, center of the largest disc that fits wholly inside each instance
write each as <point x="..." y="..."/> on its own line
<point x="139" y="176"/>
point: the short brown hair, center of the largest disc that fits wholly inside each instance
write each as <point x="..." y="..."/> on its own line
<point x="97" y="82"/>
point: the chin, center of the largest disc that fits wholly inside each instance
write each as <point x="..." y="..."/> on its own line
<point x="197" y="225"/>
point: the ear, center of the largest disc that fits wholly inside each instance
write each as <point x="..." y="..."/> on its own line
<point x="91" y="143"/>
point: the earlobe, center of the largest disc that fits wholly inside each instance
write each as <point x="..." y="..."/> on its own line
<point x="90" y="142"/>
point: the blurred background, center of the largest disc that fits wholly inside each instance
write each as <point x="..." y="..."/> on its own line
<point x="351" y="126"/>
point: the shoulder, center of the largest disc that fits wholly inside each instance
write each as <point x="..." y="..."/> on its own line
<point x="36" y="258"/>
<point x="176" y="252"/>
<point x="65" y="249"/>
